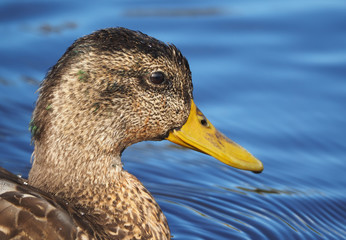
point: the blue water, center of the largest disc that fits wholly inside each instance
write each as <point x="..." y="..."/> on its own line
<point x="269" y="74"/>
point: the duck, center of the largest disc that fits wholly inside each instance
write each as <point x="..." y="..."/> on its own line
<point x="110" y="89"/>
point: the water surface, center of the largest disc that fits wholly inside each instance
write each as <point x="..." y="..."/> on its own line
<point x="270" y="75"/>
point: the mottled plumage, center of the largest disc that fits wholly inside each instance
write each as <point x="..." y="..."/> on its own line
<point x="95" y="102"/>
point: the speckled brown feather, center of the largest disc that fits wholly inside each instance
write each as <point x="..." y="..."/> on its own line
<point x="96" y="101"/>
<point x="28" y="213"/>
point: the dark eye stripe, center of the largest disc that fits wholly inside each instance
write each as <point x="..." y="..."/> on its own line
<point x="157" y="77"/>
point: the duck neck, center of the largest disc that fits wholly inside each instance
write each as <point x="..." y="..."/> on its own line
<point x="66" y="169"/>
<point x="96" y="184"/>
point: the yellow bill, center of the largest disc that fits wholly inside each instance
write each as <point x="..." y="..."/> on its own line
<point x="200" y="135"/>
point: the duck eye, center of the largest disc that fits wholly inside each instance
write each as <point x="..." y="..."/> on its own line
<point x="157" y="77"/>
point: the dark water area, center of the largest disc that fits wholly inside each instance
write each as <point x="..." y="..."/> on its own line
<point x="270" y="75"/>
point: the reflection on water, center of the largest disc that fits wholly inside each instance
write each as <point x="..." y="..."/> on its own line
<point x="193" y="12"/>
<point x="47" y="28"/>
<point x="269" y="75"/>
<point x="263" y="191"/>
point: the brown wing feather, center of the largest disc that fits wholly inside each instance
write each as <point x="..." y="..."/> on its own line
<point x="28" y="213"/>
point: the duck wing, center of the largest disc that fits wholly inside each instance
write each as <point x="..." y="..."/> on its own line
<point x="26" y="211"/>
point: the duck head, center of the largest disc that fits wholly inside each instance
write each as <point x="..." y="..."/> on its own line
<point x="116" y="87"/>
